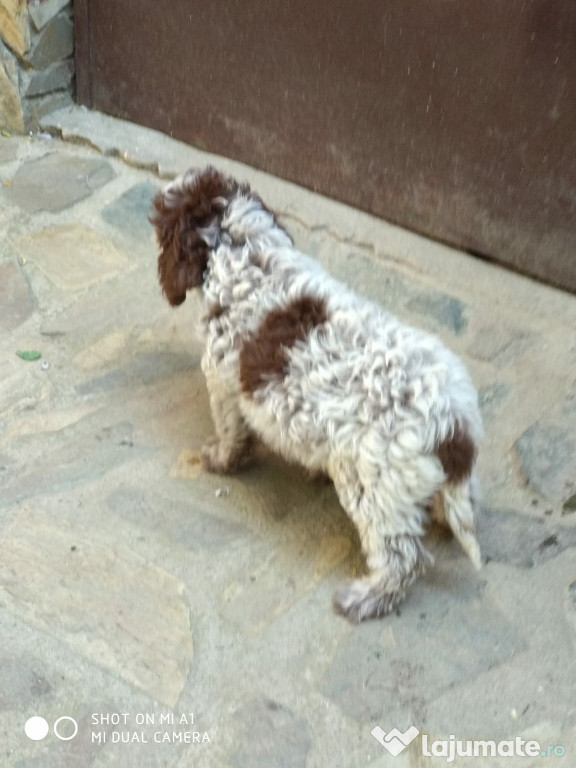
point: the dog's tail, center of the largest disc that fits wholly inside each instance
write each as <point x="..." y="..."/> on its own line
<point x="456" y="501"/>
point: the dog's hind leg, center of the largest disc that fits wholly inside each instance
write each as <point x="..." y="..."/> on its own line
<point x="392" y="569"/>
<point x="394" y="559"/>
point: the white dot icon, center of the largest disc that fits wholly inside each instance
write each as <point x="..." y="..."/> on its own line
<point x="36" y="728"/>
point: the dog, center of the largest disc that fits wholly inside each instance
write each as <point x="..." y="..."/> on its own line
<point x="325" y="378"/>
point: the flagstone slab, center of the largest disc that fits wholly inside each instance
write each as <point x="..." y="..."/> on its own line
<point x="417" y="659"/>
<point x="55" y="182"/>
<point x="522" y="539"/>
<point x="104" y="350"/>
<point x="72" y="256"/>
<point x="8" y="152"/>
<point x="21" y="682"/>
<point x="103" y="601"/>
<point x="269" y="589"/>
<point x="447" y="311"/>
<point x="498" y="344"/>
<point x="186" y="525"/>
<point x="129" y="213"/>
<point x="16" y="304"/>
<point x="547" y="455"/>
<point x="273" y="736"/>
<point x="72" y="460"/>
<point x="50" y="421"/>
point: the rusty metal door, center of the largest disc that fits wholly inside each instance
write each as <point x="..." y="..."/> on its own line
<point x="454" y="118"/>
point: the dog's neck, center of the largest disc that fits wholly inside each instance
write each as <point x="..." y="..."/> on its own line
<point x="246" y="220"/>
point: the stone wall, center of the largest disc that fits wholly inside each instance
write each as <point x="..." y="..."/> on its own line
<point x="36" y="61"/>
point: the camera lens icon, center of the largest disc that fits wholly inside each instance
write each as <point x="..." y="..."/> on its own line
<point x="36" y="728"/>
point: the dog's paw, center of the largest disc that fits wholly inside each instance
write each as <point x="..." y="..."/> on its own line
<point x="358" y="600"/>
<point x="218" y="459"/>
<point x="212" y="458"/>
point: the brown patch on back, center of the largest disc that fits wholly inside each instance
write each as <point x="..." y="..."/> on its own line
<point x="265" y="354"/>
<point x="457" y="454"/>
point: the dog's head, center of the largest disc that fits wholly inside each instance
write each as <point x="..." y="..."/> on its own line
<point x="186" y="217"/>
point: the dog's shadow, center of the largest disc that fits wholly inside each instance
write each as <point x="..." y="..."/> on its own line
<point x="305" y="508"/>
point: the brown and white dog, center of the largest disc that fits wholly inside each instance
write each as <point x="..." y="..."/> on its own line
<point x="325" y="378"/>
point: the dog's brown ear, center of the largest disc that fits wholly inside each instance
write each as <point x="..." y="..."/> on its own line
<point x="186" y="218"/>
<point x="179" y="270"/>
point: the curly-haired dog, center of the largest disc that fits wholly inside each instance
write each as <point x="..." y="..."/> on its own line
<point x="323" y="377"/>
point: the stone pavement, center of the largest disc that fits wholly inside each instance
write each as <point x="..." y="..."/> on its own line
<point x="156" y="604"/>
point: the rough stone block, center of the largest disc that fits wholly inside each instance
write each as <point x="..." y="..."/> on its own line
<point x="11" y="116"/>
<point x="14" y="25"/>
<point x="38" y="107"/>
<point x="42" y="11"/>
<point x="56" y="77"/>
<point x="54" y="43"/>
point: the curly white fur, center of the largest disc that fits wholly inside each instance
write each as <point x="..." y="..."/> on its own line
<point x="362" y="397"/>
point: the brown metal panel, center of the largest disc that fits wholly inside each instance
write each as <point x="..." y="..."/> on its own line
<point x="455" y="118"/>
<point x="82" y="51"/>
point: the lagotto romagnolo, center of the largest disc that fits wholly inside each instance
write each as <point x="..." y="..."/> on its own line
<point x="325" y="378"/>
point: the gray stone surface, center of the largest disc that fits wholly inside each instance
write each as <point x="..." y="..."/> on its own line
<point x="448" y="311"/>
<point x="272" y="735"/>
<point x="419" y="663"/>
<point x="131" y="210"/>
<point x="8" y="149"/>
<point x="133" y="582"/>
<point x="54" y="43"/>
<point x="498" y="345"/>
<point x="42" y="11"/>
<point x="201" y="531"/>
<point x="55" y="77"/>
<point x="72" y="256"/>
<point x="492" y="398"/>
<point x="8" y="152"/>
<point x="547" y="454"/>
<point x="11" y="117"/>
<point x="16" y="303"/>
<point x="51" y="183"/>
<point x="522" y="540"/>
<point x="36" y="61"/>
<point x="37" y="107"/>
<point x="21" y="681"/>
